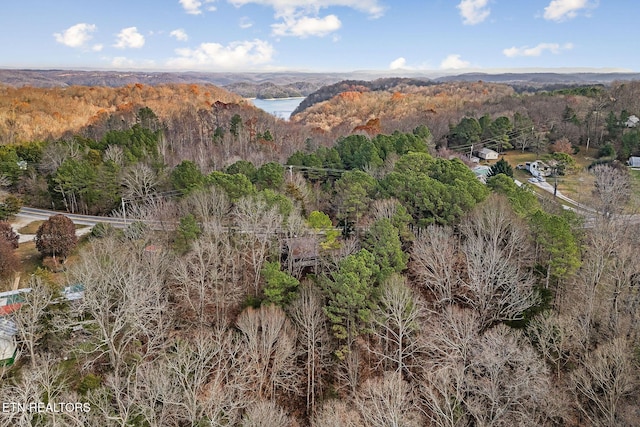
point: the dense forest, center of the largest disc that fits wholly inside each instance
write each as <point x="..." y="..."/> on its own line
<point x="346" y="268"/>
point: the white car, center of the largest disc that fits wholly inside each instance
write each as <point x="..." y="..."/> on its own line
<point x="533" y="180"/>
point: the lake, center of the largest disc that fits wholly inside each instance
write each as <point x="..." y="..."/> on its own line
<point x="280" y="107"/>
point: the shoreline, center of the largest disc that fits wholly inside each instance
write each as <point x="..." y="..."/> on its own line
<point x="277" y="99"/>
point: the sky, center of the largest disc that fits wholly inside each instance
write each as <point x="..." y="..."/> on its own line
<point x="320" y="35"/>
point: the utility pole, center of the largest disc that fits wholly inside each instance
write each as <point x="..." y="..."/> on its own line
<point x="124" y="212"/>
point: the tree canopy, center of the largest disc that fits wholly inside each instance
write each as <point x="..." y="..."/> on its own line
<point x="56" y="237"/>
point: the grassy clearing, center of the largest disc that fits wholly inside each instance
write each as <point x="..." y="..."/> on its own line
<point x="30" y="228"/>
<point x="29" y="257"/>
<point x="30" y="261"/>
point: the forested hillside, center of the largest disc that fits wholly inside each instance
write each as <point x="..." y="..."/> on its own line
<point x="345" y="269"/>
<point x="29" y="114"/>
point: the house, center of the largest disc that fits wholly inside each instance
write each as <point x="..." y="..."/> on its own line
<point x="481" y="172"/>
<point x="632" y="121"/>
<point x="10" y="301"/>
<point x="634" y="162"/>
<point x="487" y="154"/>
<point x="8" y="347"/>
<point x="301" y="251"/>
<point x="538" y="168"/>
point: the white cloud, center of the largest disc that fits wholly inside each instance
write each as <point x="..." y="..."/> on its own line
<point x="474" y="11"/>
<point x="245" y="22"/>
<point x="194" y="7"/>
<point x="290" y="7"/>
<point x="129" y="38"/>
<point x="236" y="55"/>
<point x="307" y="26"/>
<point x="398" y="64"/>
<point x="97" y="47"/>
<point x="453" y="62"/>
<point x="538" y="50"/>
<point x="121" y="62"/>
<point x="76" y="36"/>
<point x="561" y="10"/>
<point x="300" y="17"/>
<point x="179" y="34"/>
<point x="124" y="62"/>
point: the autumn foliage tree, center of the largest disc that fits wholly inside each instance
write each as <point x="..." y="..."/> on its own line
<point x="56" y="237"/>
<point x="8" y="235"/>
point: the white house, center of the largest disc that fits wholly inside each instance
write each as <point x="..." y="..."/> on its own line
<point x="487" y="154"/>
<point x="632" y="121"/>
<point x="634" y="162"/>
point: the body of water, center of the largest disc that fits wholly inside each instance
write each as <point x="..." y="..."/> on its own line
<point x="280" y="107"/>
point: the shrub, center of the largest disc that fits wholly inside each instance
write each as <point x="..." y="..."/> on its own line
<point x="607" y="150"/>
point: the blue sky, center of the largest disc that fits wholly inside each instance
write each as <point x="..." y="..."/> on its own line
<point x="319" y="35"/>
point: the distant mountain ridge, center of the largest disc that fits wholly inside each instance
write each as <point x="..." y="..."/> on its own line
<point x="316" y="87"/>
<point x="287" y="79"/>
<point x="543" y="77"/>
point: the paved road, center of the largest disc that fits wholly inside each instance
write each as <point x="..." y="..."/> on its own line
<point x="27" y="215"/>
<point x="90" y="220"/>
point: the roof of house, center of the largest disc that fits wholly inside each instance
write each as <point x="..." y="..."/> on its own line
<point x="632" y="121"/>
<point x="303" y="247"/>
<point x="486" y="150"/>
<point x="8" y="328"/>
<point x="481" y="170"/>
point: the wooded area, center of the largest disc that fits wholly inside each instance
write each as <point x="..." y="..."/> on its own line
<point x="347" y="268"/>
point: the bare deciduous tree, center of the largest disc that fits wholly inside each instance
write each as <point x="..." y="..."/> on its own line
<point x="388" y="402"/>
<point x="497" y="252"/>
<point x="507" y="383"/>
<point x="210" y="206"/>
<point x="384" y="208"/>
<point x="115" y="154"/>
<point x="443" y="394"/>
<point x="139" y="182"/>
<point x="433" y="261"/>
<point x="396" y="324"/>
<point x="310" y="321"/>
<point x="606" y="376"/>
<point x="268" y="352"/>
<point x="207" y="278"/>
<point x="124" y="296"/>
<point x="265" y="414"/>
<point x="29" y="317"/>
<point x="258" y="225"/>
<point x="553" y="336"/>
<point x="337" y="413"/>
<point x="44" y="377"/>
<point x="192" y="381"/>
<point x="451" y="338"/>
<point x="612" y="189"/>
